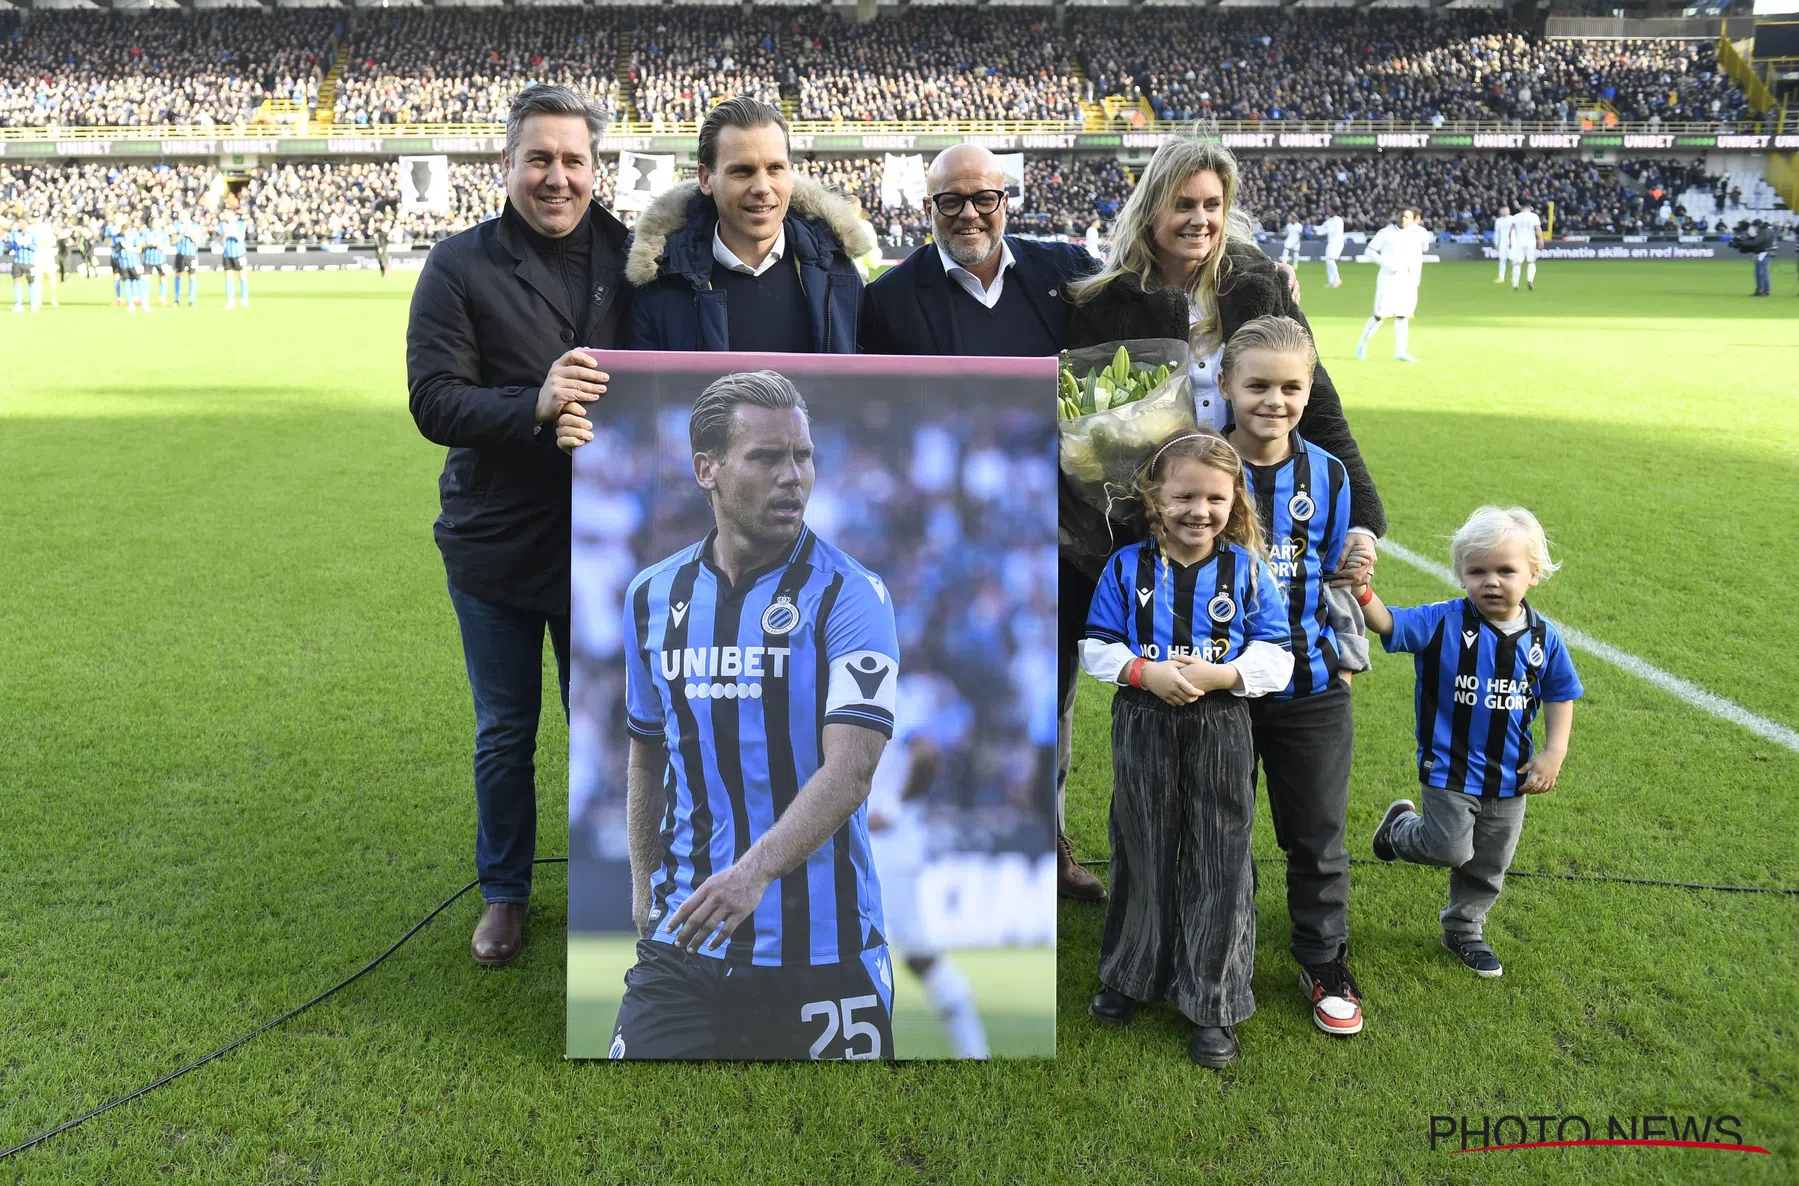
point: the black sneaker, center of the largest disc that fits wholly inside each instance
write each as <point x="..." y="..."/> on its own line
<point x="1473" y="951"/>
<point x="1335" y="997"/>
<point x="1383" y="835"/>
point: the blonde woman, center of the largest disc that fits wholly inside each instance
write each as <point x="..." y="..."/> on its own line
<point x="1183" y="264"/>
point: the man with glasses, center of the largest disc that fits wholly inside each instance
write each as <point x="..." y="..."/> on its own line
<point x="975" y="290"/>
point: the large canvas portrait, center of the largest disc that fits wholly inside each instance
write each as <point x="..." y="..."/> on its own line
<point x="812" y="759"/>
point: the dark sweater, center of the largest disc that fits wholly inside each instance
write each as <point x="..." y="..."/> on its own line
<point x="767" y="312"/>
<point x="1011" y="327"/>
<point x="1251" y="287"/>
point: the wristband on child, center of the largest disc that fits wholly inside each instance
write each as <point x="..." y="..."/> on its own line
<point x="1367" y="595"/>
<point x="1136" y="672"/>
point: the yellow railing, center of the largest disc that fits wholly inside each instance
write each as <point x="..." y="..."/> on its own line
<point x="1782" y="172"/>
<point x="1735" y="65"/>
<point x="1121" y="123"/>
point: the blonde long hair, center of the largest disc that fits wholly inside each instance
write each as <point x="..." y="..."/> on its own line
<point x="1133" y="249"/>
<point x="1243" y="527"/>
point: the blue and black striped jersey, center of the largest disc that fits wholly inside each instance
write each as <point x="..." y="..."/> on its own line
<point x="1163" y="610"/>
<point x="1304" y="506"/>
<point x="232" y="232"/>
<point x="187" y="237"/>
<point x="129" y="249"/>
<point x="736" y="683"/>
<point x="22" y="243"/>
<point x="1478" y="692"/>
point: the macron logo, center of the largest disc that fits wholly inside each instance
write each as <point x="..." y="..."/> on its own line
<point x="1468" y="637"/>
<point x="1143" y="596"/>
<point x="880" y="589"/>
<point x="677" y="614"/>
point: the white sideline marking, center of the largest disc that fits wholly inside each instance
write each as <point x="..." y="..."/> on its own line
<point x="1692" y="693"/>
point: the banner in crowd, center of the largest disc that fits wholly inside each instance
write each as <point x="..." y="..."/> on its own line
<point x="902" y="182"/>
<point x="1011" y="166"/>
<point x="424" y="184"/>
<point x="835" y="623"/>
<point x="641" y="177"/>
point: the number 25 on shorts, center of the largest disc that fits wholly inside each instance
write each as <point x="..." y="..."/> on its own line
<point x="851" y="1028"/>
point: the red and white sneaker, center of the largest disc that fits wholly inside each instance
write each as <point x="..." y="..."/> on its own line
<point x="1336" y="1000"/>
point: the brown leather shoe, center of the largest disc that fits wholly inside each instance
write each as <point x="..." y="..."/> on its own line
<point x="499" y="935"/>
<point x="1072" y="881"/>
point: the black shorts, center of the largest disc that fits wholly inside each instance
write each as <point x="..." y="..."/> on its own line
<point x="234" y="263"/>
<point x="21" y="271"/>
<point x="131" y="273"/>
<point x="184" y="263"/>
<point x="156" y="267"/>
<point x="694" y="1006"/>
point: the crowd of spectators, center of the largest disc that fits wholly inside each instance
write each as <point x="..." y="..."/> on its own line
<point x="209" y="69"/>
<point x="693" y="59"/>
<point x="313" y="202"/>
<point x="1418" y="66"/>
<point x="447" y="66"/>
<point x="214" y="67"/>
<point x="945" y="63"/>
<point x="1454" y="195"/>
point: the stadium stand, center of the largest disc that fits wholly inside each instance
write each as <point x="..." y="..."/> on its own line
<point x="1456" y="66"/>
<point x="952" y="63"/>
<point x="692" y="58"/>
<point x="445" y="66"/>
<point x="143" y="69"/>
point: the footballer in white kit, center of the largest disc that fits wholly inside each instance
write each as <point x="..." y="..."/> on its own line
<point x="1524" y="235"/>
<point x="1331" y="229"/>
<point x="1399" y="250"/>
<point x="925" y="722"/>
<point x="1292" y="233"/>
<point x="1501" y="227"/>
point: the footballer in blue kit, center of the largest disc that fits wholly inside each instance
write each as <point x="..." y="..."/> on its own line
<point x="761" y="681"/>
<point x="1486" y="665"/>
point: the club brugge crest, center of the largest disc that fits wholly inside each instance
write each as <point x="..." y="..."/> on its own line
<point x="1536" y="654"/>
<point x="1300" y="506"/>
<point x="1221" y="608"/>
<point x="781" y="617"/>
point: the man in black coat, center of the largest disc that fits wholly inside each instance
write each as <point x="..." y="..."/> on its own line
<point x="493" y="353"/>
<point x="976" y="290"/>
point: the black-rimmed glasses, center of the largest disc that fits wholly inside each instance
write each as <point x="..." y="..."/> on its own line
<point x="985" y="201"/>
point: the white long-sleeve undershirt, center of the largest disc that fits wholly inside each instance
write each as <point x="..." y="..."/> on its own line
<point x="1262" y="667"/>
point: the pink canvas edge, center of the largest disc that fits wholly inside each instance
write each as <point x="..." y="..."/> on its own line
<point x="707" y="362"/>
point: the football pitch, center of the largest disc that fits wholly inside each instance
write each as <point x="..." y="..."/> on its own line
<point x="234" y="766"/>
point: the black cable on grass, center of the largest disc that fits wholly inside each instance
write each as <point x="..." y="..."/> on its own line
<point x="1727" y="889"/>
<point x="291" y="1013"/>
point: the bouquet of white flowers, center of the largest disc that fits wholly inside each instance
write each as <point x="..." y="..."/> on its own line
<point x="1116" y="403"/>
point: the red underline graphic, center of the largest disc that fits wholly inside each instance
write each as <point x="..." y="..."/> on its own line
<point x="1668" y="1144"/>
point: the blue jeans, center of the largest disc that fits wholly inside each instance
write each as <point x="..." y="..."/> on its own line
<point x="503" y="648"/>
<point x="1764" y="266"/>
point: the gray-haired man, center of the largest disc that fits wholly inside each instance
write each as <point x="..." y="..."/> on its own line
<point x="493" y="353"/>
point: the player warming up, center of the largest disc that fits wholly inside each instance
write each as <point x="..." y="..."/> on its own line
<point x="187" y="246"/>
<point x="760" y="688"/>
<point x="232" y="233"/>
<point x="1524" y="236"/>
<point x="1501" y="227"/>
<point x="1291" y="234"/>
<point x="1331" y="229"/>
<point x="1399" y="250"/>
<point x="925" y="725"/>
<point x="1485" y="665"/>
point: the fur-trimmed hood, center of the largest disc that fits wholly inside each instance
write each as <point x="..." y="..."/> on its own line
<point x="684" y="210"/>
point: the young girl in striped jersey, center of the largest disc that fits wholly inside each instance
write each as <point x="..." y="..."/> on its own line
<point x="1305" y="732"/>
<point x="1189" y="624"/>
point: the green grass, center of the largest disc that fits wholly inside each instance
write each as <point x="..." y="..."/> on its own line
<point x="234" y="764"/>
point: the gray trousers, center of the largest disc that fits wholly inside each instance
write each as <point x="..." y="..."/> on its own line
<point x="1475" y="838"/>
<point x="1181" y="917"/>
